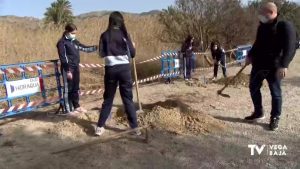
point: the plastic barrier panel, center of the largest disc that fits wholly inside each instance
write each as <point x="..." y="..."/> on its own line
<point x="25" y="87"/>
<point x="242" y="52"/>
<point x="170" y="64"/>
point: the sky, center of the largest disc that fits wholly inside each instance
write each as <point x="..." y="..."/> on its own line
<point x="36" y="8"/>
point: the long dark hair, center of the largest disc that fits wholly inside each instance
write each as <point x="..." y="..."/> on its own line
<point x="213" y="43"/>
<point x="187" y="43"/>
<point x="70" y="27"/>
<point x="116" y="20"/>
<point x="188" y="40"/>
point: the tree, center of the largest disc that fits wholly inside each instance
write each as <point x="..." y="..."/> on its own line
<point x="228" y="21"/>
<point x="206" y="20"/>
<point x="59" y="13"/>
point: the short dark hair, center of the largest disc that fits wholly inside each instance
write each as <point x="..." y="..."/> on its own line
<point x="70" y="27"/>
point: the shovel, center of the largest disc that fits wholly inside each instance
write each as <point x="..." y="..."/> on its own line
<point x="137" y="87"/>
<point x="227" y="84"/>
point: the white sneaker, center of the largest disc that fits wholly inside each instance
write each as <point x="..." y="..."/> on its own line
<point x="214" y="79"/>
<point x="81" y="110"/>
<point x="73" y="113"/>
<point x="136" y="132"/>
<point x="99" y="131"/>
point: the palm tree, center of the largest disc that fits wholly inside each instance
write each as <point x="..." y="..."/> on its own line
<point x="59" y="13"/>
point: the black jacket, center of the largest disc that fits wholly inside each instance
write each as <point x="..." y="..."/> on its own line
<point x="68" y="51"/>
<point x="114" y="47"/>
<point x="187" y="49"/>
<point x="274" y="46"/>
<point x="218" y="54"/>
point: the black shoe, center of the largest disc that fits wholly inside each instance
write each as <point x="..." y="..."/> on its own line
<point x="255" y="116"/>
<point x="274" y="122"/>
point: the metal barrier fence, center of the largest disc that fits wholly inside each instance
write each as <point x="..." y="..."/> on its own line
<point x="28" y="86"/>
<point x="170" y="64"/>
<point x="242" y="52"/>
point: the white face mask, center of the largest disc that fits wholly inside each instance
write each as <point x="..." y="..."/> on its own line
<point x="263" y="19"/>
<point x="72" y="36"/>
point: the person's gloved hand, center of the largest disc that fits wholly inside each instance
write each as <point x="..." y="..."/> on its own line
<point x="281" y="73"/>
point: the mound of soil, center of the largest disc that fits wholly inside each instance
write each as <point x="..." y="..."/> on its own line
<point x="242" y="79"/>
<point x="176" y="121"/>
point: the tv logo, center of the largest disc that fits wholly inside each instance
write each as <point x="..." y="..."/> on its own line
<point x="258" y="149"/>
<point x="271" y="150"/>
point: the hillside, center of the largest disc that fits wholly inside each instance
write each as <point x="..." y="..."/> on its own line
<point x="27" y="39"/>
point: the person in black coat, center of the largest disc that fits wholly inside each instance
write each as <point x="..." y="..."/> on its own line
<point x="219" y="57"/>
<point x="270" y="56"/>
<point x="68" y="48"/>
<point x="187" y="52"/>
<point x="117" y="49"/>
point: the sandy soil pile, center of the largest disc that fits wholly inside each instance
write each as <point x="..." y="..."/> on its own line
<point x="164" y="119"/>
<point x="175" y="121"/>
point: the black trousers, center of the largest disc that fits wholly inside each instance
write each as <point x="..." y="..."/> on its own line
<point x="71" y="89"/>
<point x="188" y="63"/>
<point x="256" y="80"/>
<point x="222" y="60"/>
<point x="114" y="76"/>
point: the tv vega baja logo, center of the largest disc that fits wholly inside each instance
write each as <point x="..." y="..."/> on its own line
<point x="271" y="150"/>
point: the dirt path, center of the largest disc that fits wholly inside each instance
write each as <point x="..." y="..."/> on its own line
<point x="27" y="142"/>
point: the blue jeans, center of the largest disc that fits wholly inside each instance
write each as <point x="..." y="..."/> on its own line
<point x="256" y="80"/>
<point x="193" y="62"/>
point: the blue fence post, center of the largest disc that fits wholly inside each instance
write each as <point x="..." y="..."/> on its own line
<point x="59" y="87"/>
<point x="42" y="85"/>
<point x="5" y="79"/>
<point x="169" y="63"/>
<point x="162" y="63"/>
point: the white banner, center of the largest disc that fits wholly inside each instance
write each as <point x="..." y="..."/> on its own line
<point x="245" y="52"/>
<point x="176" y="65"/>
<point x="23" y="87"/>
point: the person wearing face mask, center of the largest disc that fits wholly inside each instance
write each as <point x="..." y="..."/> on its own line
<point x="187" y="51"/>
<point x="219" y="56"/>
<point x="68" y="48"/>
<point x="270" y="56"/>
